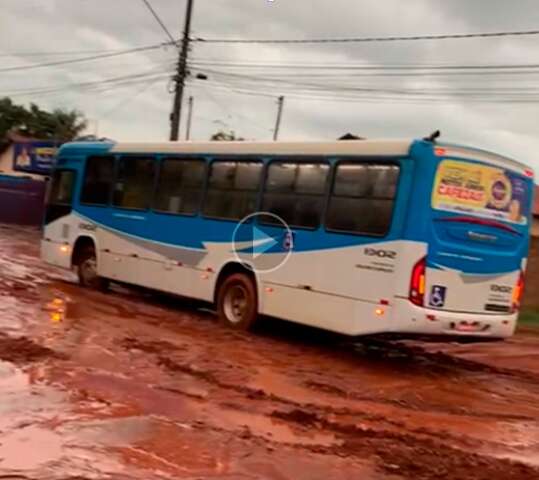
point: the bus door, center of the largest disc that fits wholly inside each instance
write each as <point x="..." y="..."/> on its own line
<point x="478" y="238"/>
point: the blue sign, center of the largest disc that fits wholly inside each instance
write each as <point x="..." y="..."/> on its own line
<point x="34" y="157"/>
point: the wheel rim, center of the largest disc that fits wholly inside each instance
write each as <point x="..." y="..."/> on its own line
<point x="88" y="271"/>
<point x="236" y="304"/>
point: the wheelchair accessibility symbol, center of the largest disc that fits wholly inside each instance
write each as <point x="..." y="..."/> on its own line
<point x="437" y="296"/>
<point x="288" y="241"/>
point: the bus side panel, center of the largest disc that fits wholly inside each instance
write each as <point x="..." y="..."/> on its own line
<point x="330" y="312"/>
<point x="348" y="289"/>
<point x="140" y="262"/>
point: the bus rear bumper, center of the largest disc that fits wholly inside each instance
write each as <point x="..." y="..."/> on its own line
<point x="412" y="319"/>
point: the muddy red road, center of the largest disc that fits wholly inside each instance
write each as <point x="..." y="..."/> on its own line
<point x="137" y="386"/>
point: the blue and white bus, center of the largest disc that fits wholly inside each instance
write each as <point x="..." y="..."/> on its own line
<point x="356" y="237"/>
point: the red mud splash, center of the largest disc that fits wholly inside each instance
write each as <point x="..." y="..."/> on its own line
<point x="139" y="386"/>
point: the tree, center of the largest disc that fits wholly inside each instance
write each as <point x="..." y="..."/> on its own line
<point x="11" y="116"/>
<point x="222" y="136"/>
<point x="60" y="125"/>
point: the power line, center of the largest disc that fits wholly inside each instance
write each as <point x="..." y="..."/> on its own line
<point x="159" y="21"/>
<point x="85" y="59"/>
<point x="370" y="39"/>
<point x="148" y="84"/>
<point x="318" y="92"/>
<point x="92" y="85"/>
<point x="376" y="99"/>
<point x="96" y="90"/>
<point x="227" y="112"/>
<point x="325" y="66"/>
<point x="381" y="72"/>
<point x="55" y="53"/>
<point x="257" y="80"/>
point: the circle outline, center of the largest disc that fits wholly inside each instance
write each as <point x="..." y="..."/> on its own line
<point x="249" y="264"/>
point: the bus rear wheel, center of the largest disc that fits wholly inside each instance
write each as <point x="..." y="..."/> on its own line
<point x="237" y="302"/>
<point x="87" y="270"/>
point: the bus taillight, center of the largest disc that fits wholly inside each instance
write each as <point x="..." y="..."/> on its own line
<point x="417" y="283"/>
<point x="518" y="292"/>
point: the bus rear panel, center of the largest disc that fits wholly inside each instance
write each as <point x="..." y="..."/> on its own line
<point x="475" y="221"/>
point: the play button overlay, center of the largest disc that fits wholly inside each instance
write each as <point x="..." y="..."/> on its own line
<point x="263" y="241"/>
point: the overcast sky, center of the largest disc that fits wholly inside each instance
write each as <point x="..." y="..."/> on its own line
<point x="139" y="111"/>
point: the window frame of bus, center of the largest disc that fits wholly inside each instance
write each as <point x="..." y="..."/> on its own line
<point x="74" y="172"/>
<point x="194" y="159"/>
<point x="373" y="161"/>
<point x="67" y="207"/>
<point x="136" y="156"/>
<point x="299" y="160"/>
<point x="114" y="159"/>
<point x="233" y="159"/>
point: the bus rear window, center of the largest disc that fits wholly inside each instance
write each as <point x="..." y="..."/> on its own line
<point x="481" y="190"/>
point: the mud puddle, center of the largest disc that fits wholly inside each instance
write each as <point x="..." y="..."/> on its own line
<point x="140" y="386"/>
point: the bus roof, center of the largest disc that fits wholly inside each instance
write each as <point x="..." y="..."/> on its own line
<point x="459" y="151"/>
<point x="388" y="148"/>
<point x="348" y="147"/>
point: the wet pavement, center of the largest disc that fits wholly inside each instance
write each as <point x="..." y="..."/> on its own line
<point x="135" y="385"/>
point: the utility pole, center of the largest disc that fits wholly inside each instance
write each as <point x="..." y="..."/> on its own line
<point x="189" y="118"/>
<point x="176" y="114"/>
<point x="279" y="117"/>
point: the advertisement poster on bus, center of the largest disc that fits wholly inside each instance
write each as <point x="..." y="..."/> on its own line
<point x="486" y="191"/>
<point x="34" y="157"/>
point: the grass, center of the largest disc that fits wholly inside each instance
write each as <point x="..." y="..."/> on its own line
<point x="529" y="318"/>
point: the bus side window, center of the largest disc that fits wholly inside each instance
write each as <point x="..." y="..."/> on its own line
<point x="97" y="183"/>
<point x="295" y="192"/>
<point x="133" y="188"/>
<point x="232" y="189"/>
<point x="180" y="186"/>
<point x="362" y="199"/>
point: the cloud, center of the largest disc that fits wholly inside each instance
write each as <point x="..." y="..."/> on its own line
<point x="141" y="111"/>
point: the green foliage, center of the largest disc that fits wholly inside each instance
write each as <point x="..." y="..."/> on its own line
<point x="529" y="317"/>
<point x="222" y="136"/>
<point x="61" y="125"/>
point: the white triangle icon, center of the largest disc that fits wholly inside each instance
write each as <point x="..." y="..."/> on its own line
<point x="262" y="242"/>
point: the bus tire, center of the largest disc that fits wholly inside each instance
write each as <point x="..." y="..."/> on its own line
<point x="237" y="303"/>
<point x="87" y="270"/>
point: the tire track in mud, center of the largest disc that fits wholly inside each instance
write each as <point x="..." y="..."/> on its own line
<point x="413" y="453"/>
<point x="385" y="352"/>
<point x="21" y="350"/>
<point x="414" y="407"/>
<point x="259" y="394"/>
<point x="440" y="361"/>
<point x="409" y="455"/>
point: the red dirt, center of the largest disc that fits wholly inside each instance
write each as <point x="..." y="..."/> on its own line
<point x="135" y="385"/>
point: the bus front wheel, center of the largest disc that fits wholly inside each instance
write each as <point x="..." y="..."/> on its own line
<point x="237" y="302"/>
<point x="87" y="270"/>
